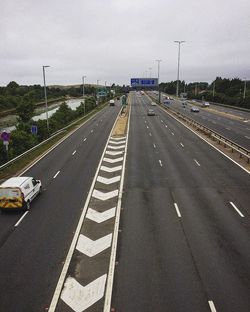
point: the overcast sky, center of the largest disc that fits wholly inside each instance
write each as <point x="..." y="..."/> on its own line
<point x="114" y="40"/>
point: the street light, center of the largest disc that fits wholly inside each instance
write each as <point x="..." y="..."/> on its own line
<point x="159" y="96"/>
<point x="178" y="71"/>
<point x="45" y="95"/>
<point x="83" y="93"/>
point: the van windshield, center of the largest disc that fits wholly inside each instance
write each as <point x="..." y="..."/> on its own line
<point x="10" y="192"/>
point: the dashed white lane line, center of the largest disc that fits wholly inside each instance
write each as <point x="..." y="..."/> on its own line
<point x="247" y="137"/>
<point x="161" y="120"/>
<point x="239" y="212"/>
<point x="177" y="210"/>
<point x="150" y="133"/>
<point x="74" y="153"/>
<point x="212" y="306"/>
<point x="166" y="126"/>
<point x="92" y="131"/>
<point x="197" y="163"/>
<point x="228" y="128"/>
<point x="84" y="139"/>
<point x="154" y="145"/>
<point x="172" y="133"/>
<point x="160" y="162"/>
<point x="21" y="219"/>
<point x="147" y="127"/>
<point x="181" y="144"/>
<point x="56" y="174"/>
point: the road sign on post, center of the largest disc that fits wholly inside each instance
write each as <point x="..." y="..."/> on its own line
<point x="34" y="129"/>
<point x="5" y="137"/>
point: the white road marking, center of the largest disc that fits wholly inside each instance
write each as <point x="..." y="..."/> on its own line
<point x="166" y="126"/>
<point x="92" y="248"/>
<point x="74" y="153"/>
<point x="115" y="147"/>
<point x="239" y="212"/>
<point x="79" y="297"/>
<point x="160" y="162"/>
<point x="197" y="163"/>
<point x="108" y="181"/>
<point x="84" y="139"/>
<point x="181" y="144"/>
<point x="56" y="174"/>
<point x="154" y="145"/>
<point x="212" y="306"/>
<point x="150" y="133"/>
<point x="92" y="131"/>
<point x="172" y="133"/>
<point x="21" y="219"/>
<point x="228" y="128"/>
<point x="247" y="137"/>
<point x="111" y="160"/>
<point x="213" y="122"/>
<point x="113" y="169"/>
<point x="118" y="139"/>
<point x="104" y="196"/>
<point x="147" y="127"/>
<point x="177" y="210"/>
<point x="100" y="217"/>
<point x="161" y="120"/>
<point x="145" y="121"/>
<point x="114" y="153"/>
<point x="116" y="143"/>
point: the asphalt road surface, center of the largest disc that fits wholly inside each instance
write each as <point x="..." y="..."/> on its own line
<point x="32" y="254"/>
<point x="184" y="239"/>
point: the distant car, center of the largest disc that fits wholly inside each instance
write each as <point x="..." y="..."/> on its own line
<point x="206" y="104"/>
<point x="151" y="112"/>
<point x="153" y="103"/>
<point x="111" y="102"/>
<point x="195" y="109"/>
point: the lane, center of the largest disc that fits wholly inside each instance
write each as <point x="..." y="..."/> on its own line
<point x="32" y="256"/>
<point x="214" y="236"/>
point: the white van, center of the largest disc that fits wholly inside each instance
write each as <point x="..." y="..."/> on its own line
<point x="153" y="103"/>
<point x="18" y="192"/>
<point x="111" y="102"/>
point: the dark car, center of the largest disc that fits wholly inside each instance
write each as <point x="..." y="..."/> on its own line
<point x="151" y="112"/>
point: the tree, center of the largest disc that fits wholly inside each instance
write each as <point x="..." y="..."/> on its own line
<point x="25" y="109"/>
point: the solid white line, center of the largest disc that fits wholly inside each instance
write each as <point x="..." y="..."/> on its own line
<point x="56" y="174"/>
<point x="212" y="306"/>
<point x="197" y="162"/>
<point x="182" y="144"/>
<point x="74" y="153"/>
<point x="239" y="212"/>
<point x="84" y="139"/>
<point x="177" y="210"/>
<point x="21" y="219"/>
<point x="160" y="162"/>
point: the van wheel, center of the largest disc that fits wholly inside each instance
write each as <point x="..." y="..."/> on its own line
<point x="28" y="205"/>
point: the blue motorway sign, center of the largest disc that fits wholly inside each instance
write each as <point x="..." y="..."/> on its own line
<point x="144" y="82"/>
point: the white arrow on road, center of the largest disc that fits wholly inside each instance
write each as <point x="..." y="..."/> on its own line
<point x="92" y="248"/>
<point x="100" y="217"/>
<point x="107" y="169"/>
<point x="112" y="161"/>
<point x="78" y="297"/>
<point x="104" y="196"/>
<point x="115" y="147"/>
<point x="116" y="142"/>
<point x="114" y="153"/>
<point x="107" y="180"/>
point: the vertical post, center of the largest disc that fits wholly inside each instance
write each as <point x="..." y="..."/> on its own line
<point x="45" y="95"/>
<point x="245" y="86"/>
<point x="159" y="94"/>
<point x="84" y="108"/>
<point x="178" y="67"/>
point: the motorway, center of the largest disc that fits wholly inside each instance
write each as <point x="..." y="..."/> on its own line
<point x="232" y="124"/>
<point x="32" y="253"/>
<point x="184" y="230"/>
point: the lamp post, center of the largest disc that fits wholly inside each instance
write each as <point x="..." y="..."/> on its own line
<point x="83" y="93"/>
<point x="245" y="86"/>
<point x="45" y="95"/>
<point x="178" y="70"/>
<point x="159" y="95"/>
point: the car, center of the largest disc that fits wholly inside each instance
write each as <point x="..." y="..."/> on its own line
<point x="206" y="104"/>
<point x="194" y="109"/>
<point x="153" y="103"/>
<point x="17" y="193"/>
<point x="111" y="102"/>
<point x="151" y="112"/>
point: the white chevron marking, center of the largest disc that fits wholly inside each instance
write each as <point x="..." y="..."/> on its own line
<point x="108" y="180"/>
<point x="114" y="153"/>
<point x="104" y="196"/>
<point x="115" y="147"/>
<point x="92" y="248"/>
<point x="110" y="160"/>
<point x="79" y="297"/>
<point x="100" y="217"/>
<point x="116" y="142"/>
<point x="118" y="139"/>
<point x="107" y="169"/>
